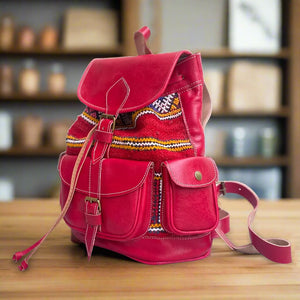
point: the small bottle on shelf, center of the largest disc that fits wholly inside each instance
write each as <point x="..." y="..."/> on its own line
<point x="7" y="32"/>
<point x="29" y="78"/>
<point x="48" y="38"/>
<point x="29" y="132"/>
<point x="56" y="79"/>
<point x="238" y="142"/>
<point x="6" y="131"/>
<point x="268" y="142"/>
<point x="6" y="80"/>
<point x="26" y="38"/>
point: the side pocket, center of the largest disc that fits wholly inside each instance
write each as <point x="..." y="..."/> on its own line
<point x="189" y="196"/>
<point x="123" y="188"/>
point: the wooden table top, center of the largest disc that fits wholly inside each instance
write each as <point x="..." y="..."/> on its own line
<point x="60" y="269"/>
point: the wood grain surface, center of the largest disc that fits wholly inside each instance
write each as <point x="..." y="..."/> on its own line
<point x="60" y="269"/>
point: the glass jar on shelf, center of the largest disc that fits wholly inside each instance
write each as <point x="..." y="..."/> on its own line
<point x="6" y="80"/>
<point x="238" y="142"/>
<point x="48" y="37"/>
<point x="7" y="32"/>
<point x="268" y="142"/>
<point x="29" y="78"/>
<point x="26" y="38"/>
<point x="56" y="79"/>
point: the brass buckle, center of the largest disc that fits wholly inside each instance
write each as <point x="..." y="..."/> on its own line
<point x="110" y="117"/>
<point x="94" y="200"/>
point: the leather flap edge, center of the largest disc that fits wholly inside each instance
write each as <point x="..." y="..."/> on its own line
<point x="118" y="177"/>
<point x="194" y="172"/>
<point x="146" y="77"/>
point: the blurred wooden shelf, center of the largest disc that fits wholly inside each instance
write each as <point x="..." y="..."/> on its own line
<point x="48" y="151"/>
<point x="255" y="161"/>
<point x="282" y="112"/>
<point x="44" y="151"/>
<point x="43" y="96"/>
<point x="59" y="51"/>
<point x="284" y="53"/>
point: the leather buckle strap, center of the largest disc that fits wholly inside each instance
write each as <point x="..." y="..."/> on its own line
<point x="94" y="200"/>
<point x="109" y="117"/>
<point x="93" y="223"/>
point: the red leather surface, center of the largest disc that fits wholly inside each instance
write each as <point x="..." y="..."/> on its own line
<point x="190" y="90"/>
<point x="126" y="193"/>
<point x="157" y="250"/>
<point x="146" y="76"/>
<point x="189" y="205"/>
<point x="119" y="176"/>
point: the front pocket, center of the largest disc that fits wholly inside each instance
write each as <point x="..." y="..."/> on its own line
<point x="124" y="189"/>
<point x="189" y="196"/>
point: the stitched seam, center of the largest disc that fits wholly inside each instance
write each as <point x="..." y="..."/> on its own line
<point x="96" y="146"/>
<point x="118" y="193"/>
<point x="192" y="84"/>
<point x="137" y="186"/>
<point x="191" y="88"/>
<point x="191" y="185"/>
<point x="125" y="98"/>
<point x="193" y="56"/>
<point x="157" y="96"/>
<point x="90" y="178"/>
<point x="127" y="236"/>
<point x="164" y="202"/>
<point x="193" y="237"/>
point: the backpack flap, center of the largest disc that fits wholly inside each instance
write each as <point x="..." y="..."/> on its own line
<point x="189" y="196"/>
<point x="145" y="76"/>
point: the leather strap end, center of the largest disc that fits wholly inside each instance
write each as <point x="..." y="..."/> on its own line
<point x="140" y="39"/>
<point x="17" y="256"/>
<point x="145" y="31"/>
<point x="23" y="266"/>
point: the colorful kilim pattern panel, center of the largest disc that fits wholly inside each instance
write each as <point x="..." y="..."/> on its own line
<point x="154" y="133"/>
<point x="150" y="144"/>
<point x="155" y="226"/>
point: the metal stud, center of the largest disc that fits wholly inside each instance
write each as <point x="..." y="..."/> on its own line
<point x="198" y="175"/>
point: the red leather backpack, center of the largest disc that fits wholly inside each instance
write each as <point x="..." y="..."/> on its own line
<point x="134" y="176"/>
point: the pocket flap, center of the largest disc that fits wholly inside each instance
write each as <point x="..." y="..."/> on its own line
<point x="118" y="176"/>
<point x="194" y="172"/>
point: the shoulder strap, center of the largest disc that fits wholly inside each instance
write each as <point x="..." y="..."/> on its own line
<point x="277" y="250"/>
